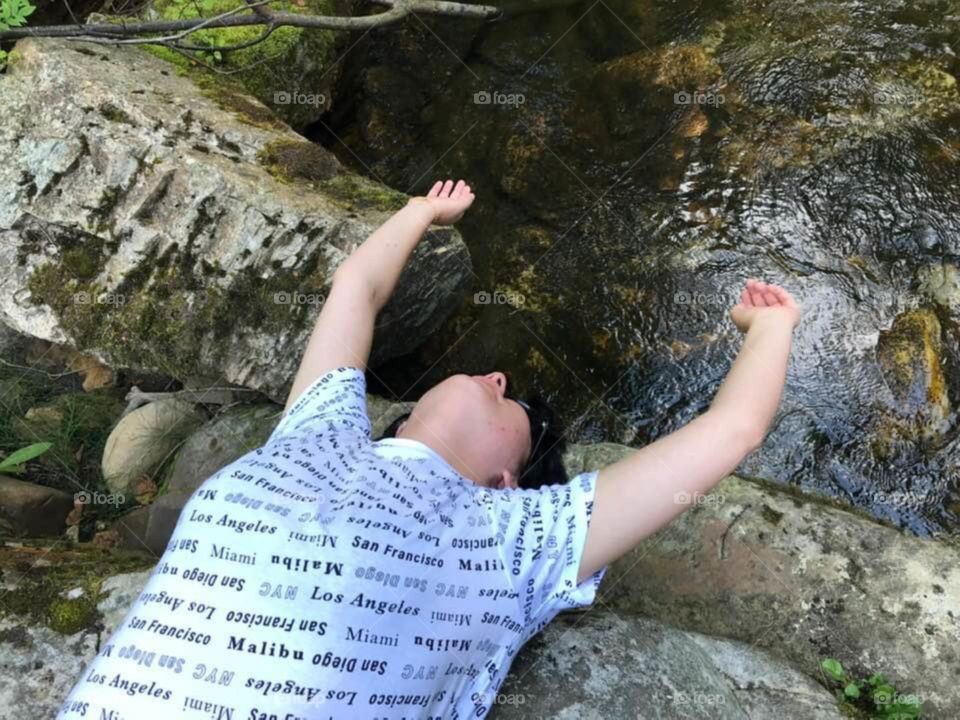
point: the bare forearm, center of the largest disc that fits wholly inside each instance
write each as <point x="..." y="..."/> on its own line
<point x="752" y="389"/>
<point x="378" y="262"/>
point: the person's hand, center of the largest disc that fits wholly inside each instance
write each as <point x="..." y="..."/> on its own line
<point x="448" y="201"/>
<point x="760" y="300"/>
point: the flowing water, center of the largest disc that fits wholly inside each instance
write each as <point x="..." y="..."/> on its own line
<point x="636" y="161"/>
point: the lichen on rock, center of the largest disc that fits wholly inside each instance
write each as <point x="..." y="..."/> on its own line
<point x="154" y="235"/>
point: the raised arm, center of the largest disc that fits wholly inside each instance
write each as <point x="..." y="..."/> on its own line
<point x="364" y="282"/>
<point x="638" y="495"/>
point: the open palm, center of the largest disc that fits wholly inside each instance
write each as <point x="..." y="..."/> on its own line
<point x="760" y="298"/>
<point x="449" y="201"/>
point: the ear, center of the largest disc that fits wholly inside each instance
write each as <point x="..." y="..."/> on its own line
<point x="507" y="480"/>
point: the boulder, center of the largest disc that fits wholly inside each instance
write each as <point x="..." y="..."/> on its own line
<point x="909" y="355"/>
<point x="800" y="577"/>
<point x="219" y="442"/>
<point x="31" y="510"/>
<point x="143" y="440"/>
<point x="159" y="226"/>
<point x="604" y="665"/>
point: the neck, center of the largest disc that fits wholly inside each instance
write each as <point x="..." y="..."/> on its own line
<point x="444" y="445"/>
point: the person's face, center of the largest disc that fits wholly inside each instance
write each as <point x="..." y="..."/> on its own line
<point x="491" y="431"/>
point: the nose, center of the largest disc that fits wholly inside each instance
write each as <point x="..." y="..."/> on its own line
<point x="500" y="380"/>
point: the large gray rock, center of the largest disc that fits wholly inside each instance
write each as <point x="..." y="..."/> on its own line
<point x="800" y="577"/>
<point x="187" y="231"/>
<point x="602" y="665"/>
<point x="219" y="442"/>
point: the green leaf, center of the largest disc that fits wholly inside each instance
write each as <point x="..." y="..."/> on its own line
<point x="834" y="669"/>
<point x="876" y="679"/>
<point x="852" y="690"/>
<point x="12" y="462"/>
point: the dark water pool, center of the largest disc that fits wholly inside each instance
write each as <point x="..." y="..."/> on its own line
<point x="634" y="162"/>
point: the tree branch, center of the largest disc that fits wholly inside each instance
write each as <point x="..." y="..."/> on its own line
<point x="177" y="29"/>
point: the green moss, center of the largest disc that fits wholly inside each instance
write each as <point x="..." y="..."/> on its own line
<point x="168" y="306"/>
<point x="355" y="191"/>
<point x="770" y="515"/>
<point x="13" y="57"/>
<point x="289" y="60"/>
<point x="42" y="576"/>
<point x="289" y="160"/>
<point x="71" y="616"/>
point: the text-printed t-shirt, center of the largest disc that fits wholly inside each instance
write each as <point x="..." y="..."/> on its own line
<point x="325" y="575"/>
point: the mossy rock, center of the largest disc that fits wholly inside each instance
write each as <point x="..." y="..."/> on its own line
<point x="292" y="160"/>
<point x="179" y="310"/>
<point x="909" y="355"/>
<point x="42" y="578"/>
<point x="358" y="193"/>
<point x="290" y="62"/>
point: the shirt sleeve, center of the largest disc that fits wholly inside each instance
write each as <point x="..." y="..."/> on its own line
<point x="335" y="404"/>
<point x="542" y="534"/>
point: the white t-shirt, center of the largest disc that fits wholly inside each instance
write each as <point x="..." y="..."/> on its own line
<point x="324" y="575"/>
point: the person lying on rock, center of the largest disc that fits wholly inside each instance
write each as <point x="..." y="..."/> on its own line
<point x="328" y="575"/>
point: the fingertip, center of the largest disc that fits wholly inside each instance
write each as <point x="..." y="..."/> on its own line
<point x="435" y="189"/>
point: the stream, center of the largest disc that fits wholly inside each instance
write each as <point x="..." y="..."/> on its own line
<point x="635" y="162"/>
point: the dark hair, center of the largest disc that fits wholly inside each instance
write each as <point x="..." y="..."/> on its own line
<point x="545" y="466"/>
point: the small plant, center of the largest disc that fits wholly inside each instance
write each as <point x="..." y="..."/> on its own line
<point x="13" y="463"/>
<point x="13" y="13"/>
<point x="872" y="697"/>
